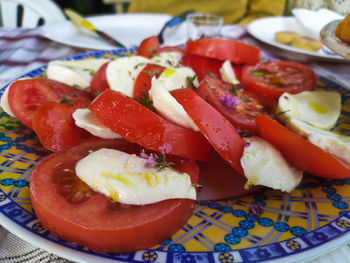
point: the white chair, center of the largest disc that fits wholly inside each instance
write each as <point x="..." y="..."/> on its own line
<point x="29" y="13"/>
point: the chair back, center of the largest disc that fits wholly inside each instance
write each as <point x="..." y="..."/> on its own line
<point x="29" y="13"/>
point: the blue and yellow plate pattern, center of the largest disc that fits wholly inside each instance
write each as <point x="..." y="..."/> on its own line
<point x="284" y="226"/>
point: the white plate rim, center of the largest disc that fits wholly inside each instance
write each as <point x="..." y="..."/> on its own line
<point x="102" y="22"/>
<point x="252" y="30"/>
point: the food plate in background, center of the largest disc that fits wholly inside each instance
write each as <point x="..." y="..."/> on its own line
<point x="129" y="29"/>
<point x="264" y="29"/>
<point x="313" y="219"/>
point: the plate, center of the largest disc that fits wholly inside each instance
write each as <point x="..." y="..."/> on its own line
<point x="129" y="29"/>
<point x="264" y="29"/>
<point x="313" y="219"/>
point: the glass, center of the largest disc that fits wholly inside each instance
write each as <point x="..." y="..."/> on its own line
<point x="203" y="25"/>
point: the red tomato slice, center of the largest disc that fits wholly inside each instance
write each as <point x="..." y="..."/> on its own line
<point x="224" y="49"/>
<point x="300" y="152"/>
<point x="138" y="124"/>
<point x="55" y="127"/>
<point x="148" y="47"/>
<point x="276" y="77"/>
<point x="218" y="130"/>
<point x="26" y="95"/>
<point x="143" y="81"/>
<point x="242" y="115"/>
<point x="202" y="65"/>
<point x="99" y="81"/>
<point x="73" y="211"/>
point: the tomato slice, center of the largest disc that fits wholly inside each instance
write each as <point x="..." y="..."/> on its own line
<point x="92" y="220"/>
<point x="26" y="95"/>
<point x="143" y="81"/>
<point x="138" y="124"/>
<point x="276" y="77"/>
<point x="224" y="49"/>
<point x="99" y="81"/>
<point x="244" y="108"/>
<point x="55" y="126"/>
<point x="215" y="127"/>
<point x="202" y="65"/>
<point x="148" y="47"/>
<point x="300" y="152"/>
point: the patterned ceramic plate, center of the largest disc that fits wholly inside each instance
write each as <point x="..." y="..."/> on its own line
<point x="314" y="218"/>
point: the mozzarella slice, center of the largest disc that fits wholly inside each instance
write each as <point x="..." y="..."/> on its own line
<point x="74" y="72"/>
<point x="264" y="165"/>
<point x="122" y="73"/>
<point x="338" y="145"/>
<point x="168" y="106"/>
<point x="85" y="119"/>
<point x="167" y="59"/>
<point x="177" y="78"/>
<point x="319" y="108"/>
<point x="125" y="178"/>
<point x="227" y="73"/>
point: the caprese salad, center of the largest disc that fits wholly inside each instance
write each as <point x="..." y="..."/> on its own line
<point x="127" y="134"/>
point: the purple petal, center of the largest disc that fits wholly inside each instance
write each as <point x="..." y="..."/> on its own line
<point x="143" y="154"/>
<point x="230" y="101"/>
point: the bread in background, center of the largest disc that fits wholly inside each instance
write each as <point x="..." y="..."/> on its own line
<point x="286" y="37"/>
<point x="342" y="31"/>
<point x="296" y="40"/>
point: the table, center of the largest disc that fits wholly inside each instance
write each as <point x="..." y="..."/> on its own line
<point x="22" y="50"/>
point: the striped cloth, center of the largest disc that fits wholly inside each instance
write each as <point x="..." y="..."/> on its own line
<point x="22" y="50"/>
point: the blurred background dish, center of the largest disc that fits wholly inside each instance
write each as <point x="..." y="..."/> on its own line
<point x="129" y="29"/>
<point x="330" y="40"/>
<point x="264" y="29"/>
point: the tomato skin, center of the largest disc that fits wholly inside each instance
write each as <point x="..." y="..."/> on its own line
<point x="218" y="130"/>
<point x="242" y="116"/>
<point x="148" y="47"/>
<point x="54" y="125"/>
<point x="138" y="124"/>
<point x="295" y="78"/>
<point x="224" y="49"/>
<point x="202" y="65"/>
<point x="97" y="223"/>
<point x="143" y="81"/>
<point x="298" y="151"/>
<point x="26" y="95"/>
<point x="99" y="81"/>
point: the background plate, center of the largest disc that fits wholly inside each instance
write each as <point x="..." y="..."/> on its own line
<point x="264" y="29"/>
<point x="129" y="29"/>
<point x="311" y="220"/>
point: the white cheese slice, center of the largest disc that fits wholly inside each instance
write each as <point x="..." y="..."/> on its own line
<point x="336" y="144"/>
<point x="167" y="59"/>
<point x="227" y="73"/>
<point x="168" y="106"/>
<point x="85" y="119"/>
<point x="319" y="108"/>
<point x="177" y="78"/>
<point x="264" y="165"/>
<point x="122" y="73"/>
<point x="124" y="178"/>
<point x="74" y="72"/>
